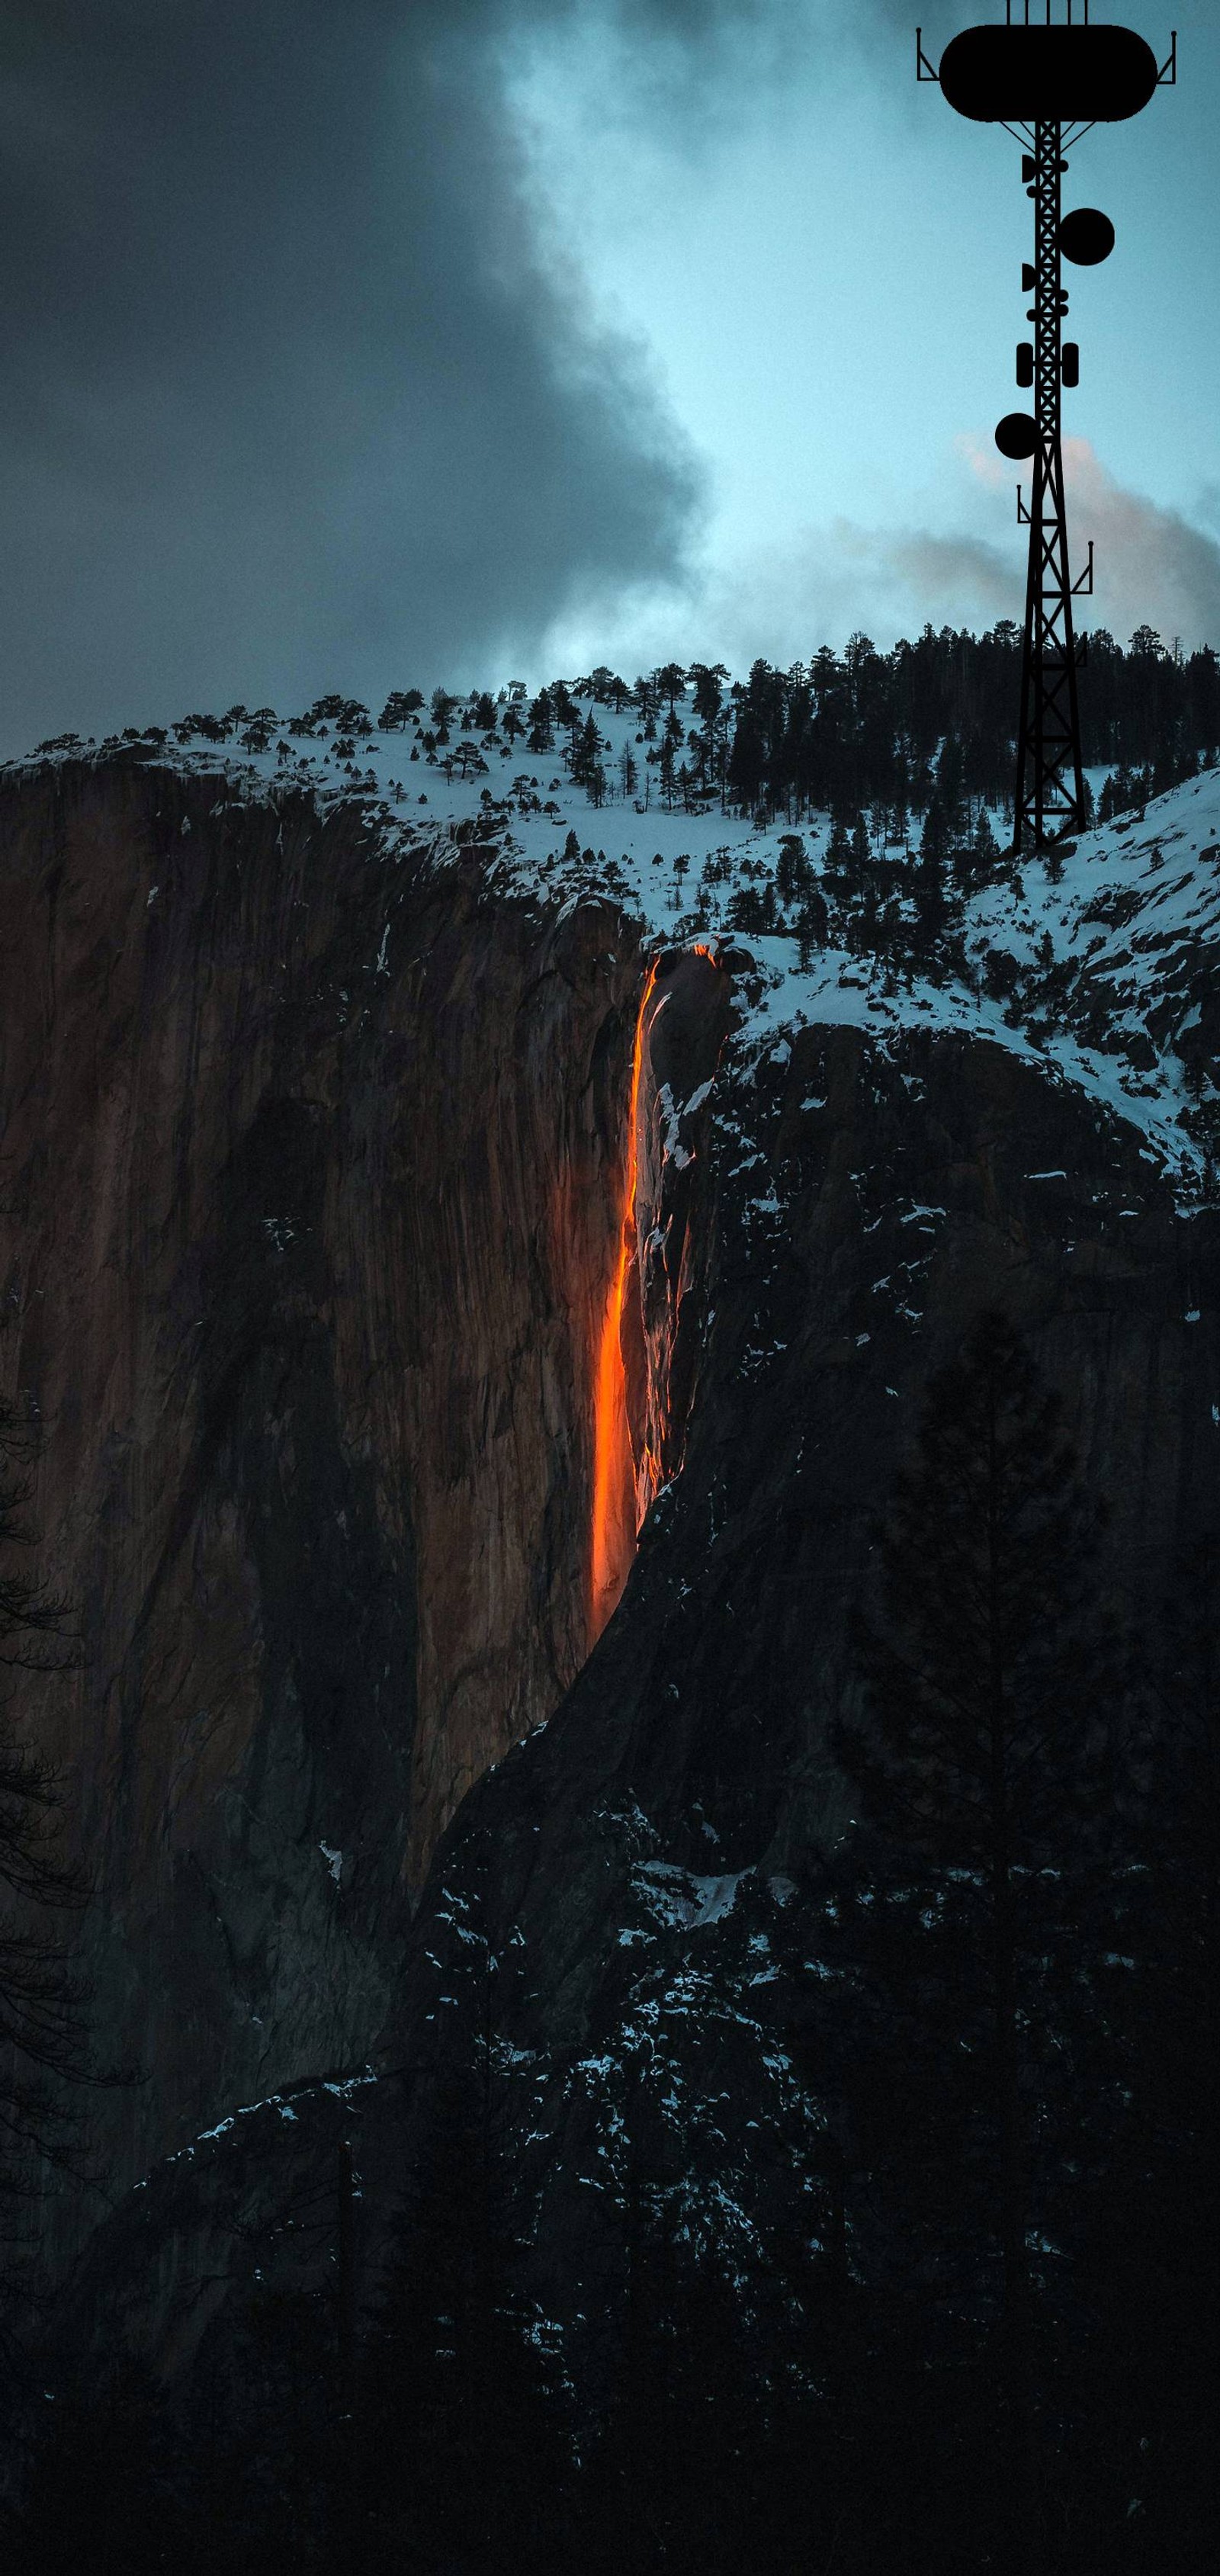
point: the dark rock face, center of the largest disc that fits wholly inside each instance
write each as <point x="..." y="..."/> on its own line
<point x="686" y="1026"/>
<point x="865" y="1211"/>
<point x="635" y="1869"/>
<point x="309" y="1202"/>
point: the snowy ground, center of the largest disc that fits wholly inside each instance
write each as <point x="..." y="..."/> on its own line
<point x="1106" y="968"/>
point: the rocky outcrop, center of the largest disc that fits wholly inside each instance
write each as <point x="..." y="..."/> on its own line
<point x="631" y="1877"/>
<point x="312" y="1163"/>
<point x="315" y="1182"/>
<point x="685" y="1025"/>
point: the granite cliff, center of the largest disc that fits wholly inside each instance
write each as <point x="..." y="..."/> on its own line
<point x="319" y="1164"/>
<point x="312" y="1172"/>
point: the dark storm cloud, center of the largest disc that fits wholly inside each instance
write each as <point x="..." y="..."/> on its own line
<point x="290" y="398"/>
<point x="287" y="398"/>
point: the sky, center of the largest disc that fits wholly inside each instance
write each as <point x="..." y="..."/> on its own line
<point x="465" y="340"/>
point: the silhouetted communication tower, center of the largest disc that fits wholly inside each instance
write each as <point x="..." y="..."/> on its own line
<point x="1047" y="81"/>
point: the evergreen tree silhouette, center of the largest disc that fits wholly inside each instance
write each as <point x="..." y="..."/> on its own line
<point x="586" y="764"/>
<point x="400" y="706"/>
<point x="979" y="865"/>
<point x="950" y="773"/>
<point x="674" y="2478"/>
<point x="105" y="2490"/>
<point x="1152" y="2265"/>
<point x="930" y="877"/>
<point x="837" y="865"/>
<point x="45" y="2054"/>
<point x="541" y="735"/>
<point x="669" y="682"/>
<point x="993" y="1683"/>
<point x="463" y="2444"/>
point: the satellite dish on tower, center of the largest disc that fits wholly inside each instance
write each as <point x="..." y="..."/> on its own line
<point x="1016" y="435"/>
<point x="1086" y="237"/>
<point x="1077" y="75"/>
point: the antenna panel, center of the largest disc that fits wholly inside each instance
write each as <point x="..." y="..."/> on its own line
<point x="1074" y="75"/>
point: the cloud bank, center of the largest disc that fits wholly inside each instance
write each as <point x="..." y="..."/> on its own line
<point x="297" y="393"/>
<point x="293" y="394"/>
<point x="290" y="396"/>
<point x="1152" y="567"/>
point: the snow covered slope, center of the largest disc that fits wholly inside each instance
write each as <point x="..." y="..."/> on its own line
<point x="1099" y="966"/>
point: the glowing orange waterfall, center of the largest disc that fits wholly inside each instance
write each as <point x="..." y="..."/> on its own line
<point x="615" y="1519"/>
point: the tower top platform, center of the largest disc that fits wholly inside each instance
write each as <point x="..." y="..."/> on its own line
<point x="1074" y="75"/>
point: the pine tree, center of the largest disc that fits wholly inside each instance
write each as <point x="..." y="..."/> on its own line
<point x="979" y="867"/>
<point x="586" y="762"/>
<point x="950" y="770"/>
<point x="745" y="911"/>
<point x="400" y="705"/>
<point x="793" y="874"/>
<point x="669" y="2483"/>
<point x="647" y="701"/>
<point x="465" y="2454"/>
<point x="929" y="886"/>
<point x="812" y="924"/>
<point x="542" y="723"/>
<point x="837" y="865"/>
<point x="708" y="682"/>
<point x="104" y="2489"/>
<point x="669" y="683"/>
<point x="44" y="2048"/>
<point x="1152" y="2266"/>
<point x="994" y="1686"/>
<point x="934" y="838"/>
